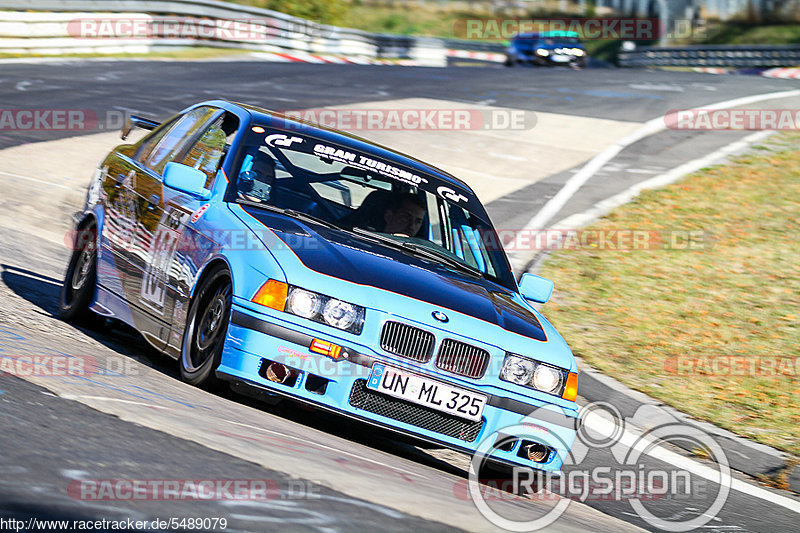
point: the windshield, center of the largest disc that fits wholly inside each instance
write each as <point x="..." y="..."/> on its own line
<point x="372" y="197"/>
<point x="541" y="41"/>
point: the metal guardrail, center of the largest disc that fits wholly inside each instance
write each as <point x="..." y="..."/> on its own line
<point x="713" y="56"/>
<point x="31" y="26"/>
<point x="473" y="46"/>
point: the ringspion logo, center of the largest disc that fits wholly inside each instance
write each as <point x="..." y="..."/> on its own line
<point x="625" y="476"/>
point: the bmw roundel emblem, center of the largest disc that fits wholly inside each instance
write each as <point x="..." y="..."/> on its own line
<point x="441" y="317"/>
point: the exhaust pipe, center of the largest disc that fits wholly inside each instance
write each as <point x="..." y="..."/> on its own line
<point x="537" y="452"/>
<point x="278" y="373"/>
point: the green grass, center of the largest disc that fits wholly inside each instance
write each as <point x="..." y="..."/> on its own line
<point x="743" y="33"/>
<point x="429" y="19"/>
<point x="632" y="312"/>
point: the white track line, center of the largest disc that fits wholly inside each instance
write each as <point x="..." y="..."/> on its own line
<point x="602" y="207"/>
<point x="557" y="202"/>
<point x="82" y="397"/>
<point x="37" y="180"/>
<point x="607" y="427"/>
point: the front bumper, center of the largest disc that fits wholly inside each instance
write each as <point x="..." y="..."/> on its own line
<point x="257" y="339"/>
<point x="550" y="60"/>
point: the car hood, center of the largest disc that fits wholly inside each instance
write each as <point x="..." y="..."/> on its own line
<point x="530" y="48"/>
<point x="364" y="262"/>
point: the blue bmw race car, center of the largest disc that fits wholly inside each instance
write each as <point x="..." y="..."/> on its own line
<point x="547" y="48"/>
<point x="293" y="260"/>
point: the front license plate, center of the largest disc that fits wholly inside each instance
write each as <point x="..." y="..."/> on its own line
<point x="561" y="58"/>
<point x="428" y="392"/>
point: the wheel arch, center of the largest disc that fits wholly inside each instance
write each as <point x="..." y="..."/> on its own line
<point x="88" y="218"/>
<point x="213" y="264"/>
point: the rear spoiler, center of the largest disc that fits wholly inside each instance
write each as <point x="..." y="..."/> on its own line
<point x="139" y="122"/>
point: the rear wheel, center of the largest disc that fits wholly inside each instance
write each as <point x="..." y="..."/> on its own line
<point x="206" y="329"/>
<point x="81" y="278"/>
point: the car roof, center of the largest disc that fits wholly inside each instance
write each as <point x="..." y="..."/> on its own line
<point x="548" y="35"/>
<point x="280" y="121"/>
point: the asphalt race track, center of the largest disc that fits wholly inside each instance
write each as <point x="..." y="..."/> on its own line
<point x="134" y="418"/>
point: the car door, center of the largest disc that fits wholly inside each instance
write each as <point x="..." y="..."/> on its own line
<point x="159" y="223"/>
<point x="207" y="154"/>
<point x="119" y="266"/>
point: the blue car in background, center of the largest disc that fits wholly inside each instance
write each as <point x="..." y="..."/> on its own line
<point x="291" y="260"/>
<point x="547" y="48"/>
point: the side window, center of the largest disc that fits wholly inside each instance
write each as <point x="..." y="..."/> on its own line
<point x="210" y="149"/>
<point x="152" y="139"/>
<point x="173" y="142"/>
<point x="435" y="221"/>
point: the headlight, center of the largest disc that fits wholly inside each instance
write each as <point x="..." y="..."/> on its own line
<point x="533" y="374"/>
<point x="546" y="379"/>
<point x="578" y="52"/>
<point x="517" y="370"/>
<point x="324" y="309"/>
<point x="542" y="52"/>
<point x="340" y="314"/>
<point x="303" y="303"/>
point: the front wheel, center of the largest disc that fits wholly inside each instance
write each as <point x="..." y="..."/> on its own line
<point x="206" y="329"/>
<point x="81" y="278"/>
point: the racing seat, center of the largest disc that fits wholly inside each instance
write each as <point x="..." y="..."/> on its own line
<point x="370" y="214"/>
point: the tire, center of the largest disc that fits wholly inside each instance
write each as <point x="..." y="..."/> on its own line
<point x="81" y="278"/>
<point x="206" y="329"/>
<point x="509" y="62"/>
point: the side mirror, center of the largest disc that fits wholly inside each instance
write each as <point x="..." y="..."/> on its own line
<point x="186" y="179"/>
<point x="535" y="288"/>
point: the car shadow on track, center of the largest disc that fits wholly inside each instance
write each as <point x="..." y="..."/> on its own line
<point x="43" y="292"/>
